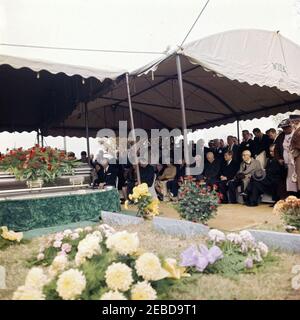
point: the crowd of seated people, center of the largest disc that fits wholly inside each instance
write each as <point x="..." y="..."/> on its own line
<point x="262" y="163"/>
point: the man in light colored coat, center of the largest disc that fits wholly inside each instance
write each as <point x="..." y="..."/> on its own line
<point x="243" y="176"/>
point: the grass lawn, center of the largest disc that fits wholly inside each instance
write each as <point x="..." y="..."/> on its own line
<point x="271" y="282"/>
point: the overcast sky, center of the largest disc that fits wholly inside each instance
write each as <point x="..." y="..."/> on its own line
<point x="143" y="25"/>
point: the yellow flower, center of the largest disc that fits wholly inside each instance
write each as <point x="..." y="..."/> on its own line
<point x="153" y="207"/>
<point x="149" y="267"/>
<point x="143" y="291"/>
<point x="4" y="229"/>
<point x="123" y="242"/>
<point x="70" y="284"/>
<point x="139" y="191"/>
<point x="11" y="235"/>
<point x="126" y="205"/>
<point x="118" y="276"/>
<point x="175" y="272"/>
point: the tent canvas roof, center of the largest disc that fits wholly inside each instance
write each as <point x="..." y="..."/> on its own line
<point x="240" y="74"/>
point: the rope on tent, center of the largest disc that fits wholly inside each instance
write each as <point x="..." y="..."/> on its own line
<point x="78" y="49"/>
<point x="193" y="25"/>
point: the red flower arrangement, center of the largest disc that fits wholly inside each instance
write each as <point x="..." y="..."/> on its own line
<point x="197" y="202"/>
<point x="37" y="162"/>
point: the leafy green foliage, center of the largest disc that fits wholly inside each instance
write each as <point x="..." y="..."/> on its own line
<point x="197" y="203"/>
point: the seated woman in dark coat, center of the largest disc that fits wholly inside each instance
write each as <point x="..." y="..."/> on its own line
<point x="211" y="169"/>
<point x="264" y="181"/>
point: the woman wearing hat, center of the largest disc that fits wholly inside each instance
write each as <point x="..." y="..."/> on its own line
<point x="295" y="149"/>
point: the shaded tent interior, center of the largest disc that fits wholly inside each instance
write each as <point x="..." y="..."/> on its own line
<point x="37" y="100"/>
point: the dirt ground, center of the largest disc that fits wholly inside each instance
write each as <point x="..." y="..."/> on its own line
<point x="232" y="217"/>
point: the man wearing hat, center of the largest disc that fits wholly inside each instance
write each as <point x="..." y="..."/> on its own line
<point x="264" y="181"/>
<point x="295" y="149"/>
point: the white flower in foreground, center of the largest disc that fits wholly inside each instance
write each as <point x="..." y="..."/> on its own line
<point x="59" y="263"/>
<point x="57" y="244"/>
<point x="113" y="295"/>
<point x="123" y="242"/>
<point x="28" y="293"/>
<point x="70" y="284"/>
<point x="87" y="248"/>
<point x="88" y="229"/>
<point x="40" y="257"/>
<point x="143" y="291"/>
<point x="296" y="269"/>
<point x="118" y="276"/>
<point x="78" y="230"/>
<point x="36" y="278"/>
<point x="234" y="238"/>
<point x="247" y="236"/>
<point x="216" y="235"/>
<point x="74" y="236"/>
<point x="149" y="267"/>
<point x="296" y="282"/>
<point x="263" y="248"/>
<point x="67" y="232"/>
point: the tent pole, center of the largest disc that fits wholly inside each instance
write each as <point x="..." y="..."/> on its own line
<point x="133" y="129"/>
<point x="65" y="144"/>
<point x="86" y="118"/>
<point x="183" y="114"/>
<point x="38" y="136"/>
<point x="238" y="130"/>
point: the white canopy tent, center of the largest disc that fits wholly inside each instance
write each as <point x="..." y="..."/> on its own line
<point x="236" y="75"/>
<point x="38" y="94"/>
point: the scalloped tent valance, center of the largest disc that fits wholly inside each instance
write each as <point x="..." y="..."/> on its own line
<point x="39" y="94"/>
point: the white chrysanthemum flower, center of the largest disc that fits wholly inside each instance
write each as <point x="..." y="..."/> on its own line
<point x="234" y="238"/>
<point x="87" y="248"/>
<point x="88" y="229"/>
<point x="149" y="267"/>
<point x="118" y="276"/>
<point x="216" y="235"/>
<point x="123" y="242"/>
<point x="247" y="236"/>
<point x="263" y="248"/>
<point x="36" y="278"/>
<point x="70" y="284"/>
<point x="98" y="234"/>
<point x="78" y="230"/>
<point x="143" y="291"/>
<point x="28" y="293"/>
<point x="59" y="263"/>
<point x="67" y="232"/>
<point x="74" y="236"/>
<point x="113" y="295"/>
<point x="296" y="282"/>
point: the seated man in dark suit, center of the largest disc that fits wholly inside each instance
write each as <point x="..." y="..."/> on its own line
<point x="108" y="174"/>
<point x="227" y="173"/>
<point x="211" y="169"/>
<point x="147" y="174"/>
